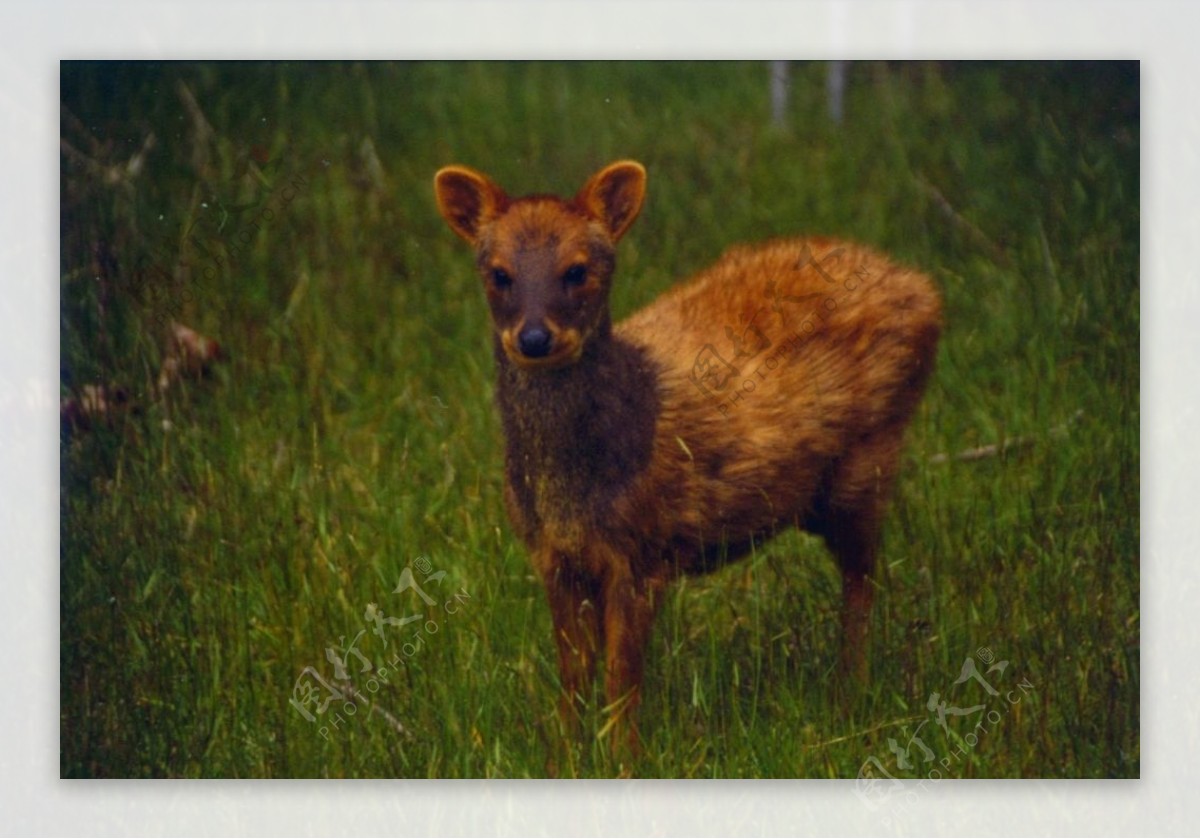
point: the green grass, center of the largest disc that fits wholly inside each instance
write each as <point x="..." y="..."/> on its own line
<point x="217" y="540"/>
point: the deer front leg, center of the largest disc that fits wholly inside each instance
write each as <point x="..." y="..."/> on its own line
<point x="629" y="609"/>
<point x="575" y="610"/>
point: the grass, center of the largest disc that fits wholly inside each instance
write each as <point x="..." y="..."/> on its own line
<point x="218" y="539"/>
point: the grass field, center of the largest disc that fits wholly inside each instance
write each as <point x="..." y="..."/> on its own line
<point x="219" y="537"/>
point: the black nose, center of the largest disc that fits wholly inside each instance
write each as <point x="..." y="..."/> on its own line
<point x="534" y="342"/>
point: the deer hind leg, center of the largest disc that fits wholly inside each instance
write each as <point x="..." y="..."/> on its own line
<point x="858" y="494"/>
<point x="853" y="541"/>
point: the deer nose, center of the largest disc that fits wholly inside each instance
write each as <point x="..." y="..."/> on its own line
<point x="534" y="342"/>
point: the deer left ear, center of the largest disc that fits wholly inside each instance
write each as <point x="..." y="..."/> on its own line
<point x="614" y="195"/>
<point x="467" y="200"/>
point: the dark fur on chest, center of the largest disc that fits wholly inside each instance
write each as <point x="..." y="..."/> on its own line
<point x="577" y="436"/>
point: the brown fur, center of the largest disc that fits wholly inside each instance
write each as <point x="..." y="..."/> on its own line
<point x="770" y="390"/>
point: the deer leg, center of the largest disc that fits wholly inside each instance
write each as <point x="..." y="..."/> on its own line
<point x="857" y="597"/>
<point x="858" y="495"/>
<point x="575" y="608"/>
<point x="629" y="609"/>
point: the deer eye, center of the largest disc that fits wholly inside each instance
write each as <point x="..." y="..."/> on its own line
<point x="575" y="276"/>
<point x="501" y="279"/>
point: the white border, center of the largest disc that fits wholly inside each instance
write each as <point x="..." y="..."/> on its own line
<point x="34" y="801"/>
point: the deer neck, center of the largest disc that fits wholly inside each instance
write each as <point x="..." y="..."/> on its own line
<point x="577" y="435"/>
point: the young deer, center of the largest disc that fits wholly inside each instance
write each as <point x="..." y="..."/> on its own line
<point x="770" y="390"/>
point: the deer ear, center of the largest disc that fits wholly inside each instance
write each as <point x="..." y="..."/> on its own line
<point x="467" y="199"/>
<point x="614" y="195"/>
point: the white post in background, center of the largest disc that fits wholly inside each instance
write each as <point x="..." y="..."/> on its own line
<point x="835" y="88"/>
<point x="779" y="91"/>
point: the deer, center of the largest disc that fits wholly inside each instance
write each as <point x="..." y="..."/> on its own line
<point x="770" y="390"/>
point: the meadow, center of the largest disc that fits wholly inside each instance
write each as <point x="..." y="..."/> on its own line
<point x="327" y="493"/>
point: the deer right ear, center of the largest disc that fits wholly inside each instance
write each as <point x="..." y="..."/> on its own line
<point x="467" y="199"/>
<point x="614" y="195"/>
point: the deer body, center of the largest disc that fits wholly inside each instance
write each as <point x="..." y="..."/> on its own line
<point x="770" y="390"/>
